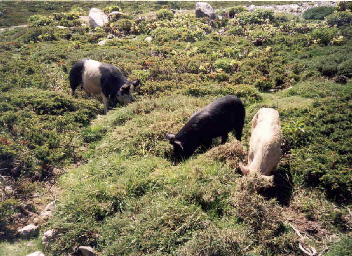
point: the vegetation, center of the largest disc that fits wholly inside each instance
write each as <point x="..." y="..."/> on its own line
<point x="116" y="185"/>
<point x="318" y="13"/>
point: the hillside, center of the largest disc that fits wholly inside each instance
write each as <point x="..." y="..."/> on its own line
<point x="113" y="179"/>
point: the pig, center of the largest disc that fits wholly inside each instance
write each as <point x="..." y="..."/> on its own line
<point x="217" y="119"/>
<point x="265" y="144"/>
<point x="98" y="77"/>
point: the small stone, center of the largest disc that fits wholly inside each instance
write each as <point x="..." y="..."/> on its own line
<point x="148" y="39"/>
<point x="87" y="250"/>
<point x="38" y="253"/>
<point x="101" y="43"/>
<point x="47" y="236"/>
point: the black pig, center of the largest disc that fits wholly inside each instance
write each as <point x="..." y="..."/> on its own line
<point x="217" y="119"/>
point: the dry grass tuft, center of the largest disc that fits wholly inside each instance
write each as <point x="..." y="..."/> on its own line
<point x="231" y="153"/>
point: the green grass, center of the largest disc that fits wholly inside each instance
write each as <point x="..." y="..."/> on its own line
<point x="122" y="192"/>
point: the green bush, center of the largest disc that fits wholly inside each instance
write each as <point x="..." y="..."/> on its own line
<point x="39" y="20"/>
<point x="226" y="64"/>
<point x="236" y="10"/>
<point x="112" y="8"/>
<point x="258" y="16"/>
<point x="318" y="13"/>
<point x="165" y="14"/>
<point x="39" y="128"/>
<point x="324" y="35"/>
<point x="345" y="68"/>
<point x="322" y="151"/>
<point x="263" y="84"/>
<point x="124" y="25"/>
<point x="342" y="248"/>
<point x="339" y="19"/>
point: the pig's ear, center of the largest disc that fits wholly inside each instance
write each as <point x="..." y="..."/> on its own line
<point x="125" y="87"/>
<point x="136" y="83"/>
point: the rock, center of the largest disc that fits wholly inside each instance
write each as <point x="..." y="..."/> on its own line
<point x="47" y="236"/>
<point x="28" y="231"/>
<point x="204" y="10"/>
<point x="97" y="18"/>
<point x="86" y="250"/>
<point x="50" y="207"/>
<point x="115" y="15"/>
<point x="110" y="36"/>
<point x="38" y="253"/>
<point x="9" y="190"/>
<point x="101" y="43"/>
<point x="48" y="211"/>
<point x="148" y="39"/>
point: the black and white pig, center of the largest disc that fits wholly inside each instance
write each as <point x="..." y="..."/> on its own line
<point x="98" y="77"/>
<point x="217" y="119"/>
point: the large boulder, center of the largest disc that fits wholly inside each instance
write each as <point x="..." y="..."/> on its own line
<point x="204" y="10"/>
<point x="97" y="18"/>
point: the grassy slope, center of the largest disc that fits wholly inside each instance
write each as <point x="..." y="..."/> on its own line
<point x="125" y="196"/>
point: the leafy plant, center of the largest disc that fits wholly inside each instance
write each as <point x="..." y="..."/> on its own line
<point x="339" y="19"/>
<point x="164" y="14"/>
<point x="318" y="13"/>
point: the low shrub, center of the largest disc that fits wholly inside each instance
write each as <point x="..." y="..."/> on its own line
<point x="226" y="64"/>
<point x="339" y="19"/>
<point x="342" y="247"/>
<point x="236" y="10"/>
<point x="39" y="20"/>
<point x="165" y="14"/>
<point x="324" y="35"/>
<point x="318" y="13"/>
<point x="112" y="8"/>
<point x="321" y="139"/>
<point x="345" y="68"/>
<point x="263" y="84"/>
<point x="258" y="16"/>
<point x="28" y="118"/>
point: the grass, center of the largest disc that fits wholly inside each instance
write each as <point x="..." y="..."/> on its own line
<point x="120" y="190"/>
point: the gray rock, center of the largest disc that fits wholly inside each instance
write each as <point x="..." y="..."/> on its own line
<point x="28" y="231"/>
<point x="87" y="251"/>
<point x="48" y="211"/>
<point x="9" y="190"/>
<point x="115" y="15"/>
<point x="204" y="10"/>
<point x="37" y="253"/>
<point x="48" y="236"/>
<point x="102" y="42"/>
<point x="97" y="18"/>
<point x="148" y="39"/>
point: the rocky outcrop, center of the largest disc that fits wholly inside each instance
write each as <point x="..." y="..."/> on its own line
<point x="298" y="8"/>
<point x="204" y="10"/>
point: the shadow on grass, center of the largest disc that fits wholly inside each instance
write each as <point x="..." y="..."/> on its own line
<point x="283" y="187"/>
